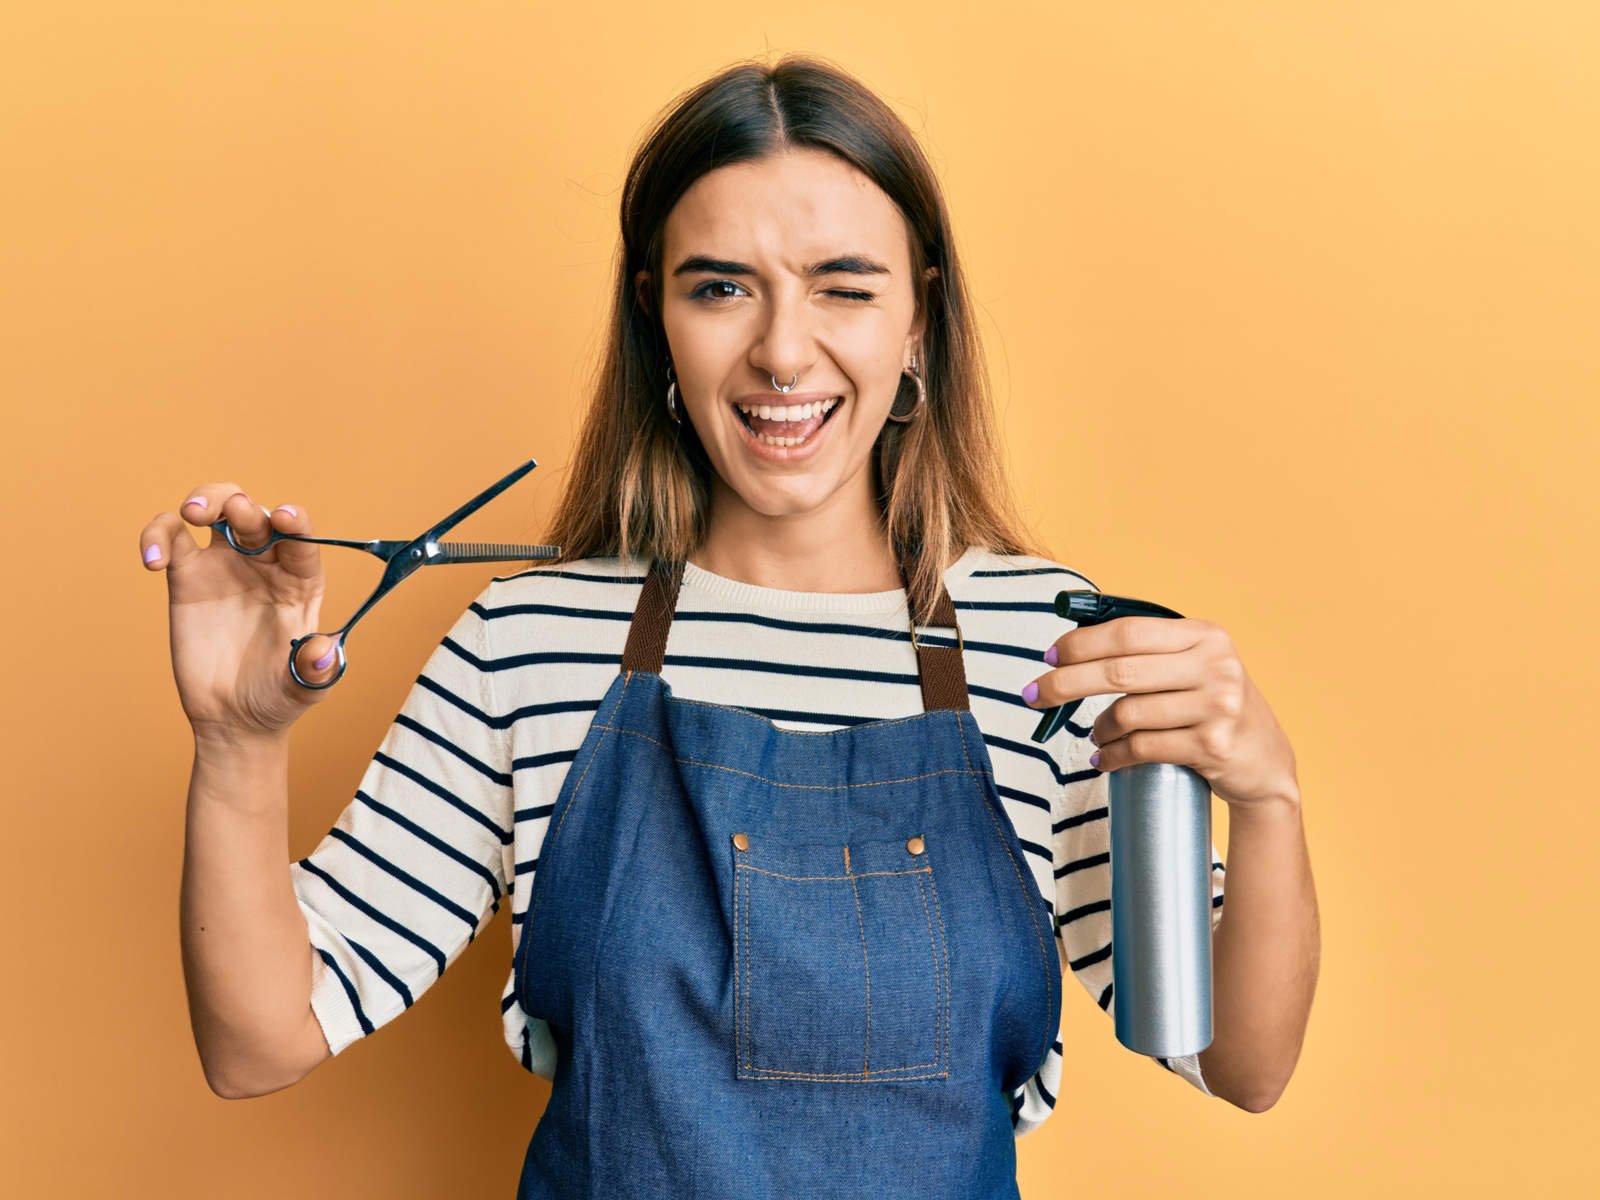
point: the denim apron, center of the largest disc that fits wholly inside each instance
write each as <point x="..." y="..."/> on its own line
<point x="781" y="964"/>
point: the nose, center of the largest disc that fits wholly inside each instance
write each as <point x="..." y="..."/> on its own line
<point x="786" y="346"/>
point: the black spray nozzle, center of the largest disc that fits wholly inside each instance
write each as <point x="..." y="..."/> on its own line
<point x="1092" y="608"/>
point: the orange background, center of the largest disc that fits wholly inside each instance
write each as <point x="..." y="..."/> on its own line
<point x="1292" y="311"/>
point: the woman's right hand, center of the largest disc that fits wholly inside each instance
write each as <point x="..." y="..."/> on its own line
<point x="233" y="616"/>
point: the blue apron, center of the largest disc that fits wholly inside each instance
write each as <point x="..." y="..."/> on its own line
<point x="779" y="964"/>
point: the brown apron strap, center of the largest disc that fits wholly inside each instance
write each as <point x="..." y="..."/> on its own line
<point x="941" y="668"/>
<point x="652" y="619"/>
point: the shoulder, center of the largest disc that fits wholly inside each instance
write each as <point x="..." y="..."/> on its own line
<point x="606" y="583"/>
<point x="982" y="579"/>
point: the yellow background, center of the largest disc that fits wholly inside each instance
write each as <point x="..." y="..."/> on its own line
<point x="1292" y="312"/>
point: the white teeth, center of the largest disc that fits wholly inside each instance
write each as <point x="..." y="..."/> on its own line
<point x="789" y="412"/>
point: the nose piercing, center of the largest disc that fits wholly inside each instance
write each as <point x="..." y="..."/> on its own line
<point x="777" y="387"/>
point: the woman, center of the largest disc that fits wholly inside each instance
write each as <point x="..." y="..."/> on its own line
<point x="784" y="886"/>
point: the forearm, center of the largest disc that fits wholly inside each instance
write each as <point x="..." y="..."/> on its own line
<point x="1266" y="952"/>
<point x="246" y="951"/>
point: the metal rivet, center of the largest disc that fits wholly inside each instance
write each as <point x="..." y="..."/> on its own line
<point x="915" y="846"/>
<point x="740" y="842"/>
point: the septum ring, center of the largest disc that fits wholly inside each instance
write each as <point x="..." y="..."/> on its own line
<point x="777" y="387"/>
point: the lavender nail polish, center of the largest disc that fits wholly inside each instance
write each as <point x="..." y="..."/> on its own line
<point x="1094" y="759"/>
<point x="288" y="508"/>
<point x="152" y="554"/>
<point x="326" y="661"/>
<point x="1093" y="741"/>
<point x="198" y="501"/>
<point x="1031" y="692"/>
<point x="1051" y="657"/>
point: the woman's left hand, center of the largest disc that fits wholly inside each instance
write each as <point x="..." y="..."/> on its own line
<point x="1188" y="700"/>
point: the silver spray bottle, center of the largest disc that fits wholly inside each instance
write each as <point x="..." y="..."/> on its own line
<point x="1160" y="879"/>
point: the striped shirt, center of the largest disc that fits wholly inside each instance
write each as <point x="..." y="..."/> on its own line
<point x="451" y="815"/>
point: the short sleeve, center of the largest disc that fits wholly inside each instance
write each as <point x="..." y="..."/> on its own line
<point x="416" y="865"/>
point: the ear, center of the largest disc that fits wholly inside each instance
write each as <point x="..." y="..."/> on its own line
<point x="641" y="290"/>
<point x="919" y="323"/>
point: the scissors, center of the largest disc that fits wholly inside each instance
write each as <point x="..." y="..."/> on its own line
<point x="401" y="559"/>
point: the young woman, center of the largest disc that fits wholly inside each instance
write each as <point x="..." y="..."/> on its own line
<point x="792" y="890"/>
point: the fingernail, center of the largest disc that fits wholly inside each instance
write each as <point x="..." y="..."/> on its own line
<point x="1093" y="741"/>
<point x="199" y="501"/>
<point x="1031" y="692"/>
<point x="288" y="508"/>
<point x="323" y="663"/>
<point x="152" y="554"/>
<point x="1094" y="759"/>
<point x="1051" y="657"/>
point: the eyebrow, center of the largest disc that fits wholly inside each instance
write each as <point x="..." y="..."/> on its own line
<point x="850" y="264"/>
<point x="700" y="264"/>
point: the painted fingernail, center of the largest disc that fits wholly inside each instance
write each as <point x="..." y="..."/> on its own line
<point x="198" y="501"/>
<point x="1094" y="759"/>
<point x="1051" y="657"/>
<point x="1093" y="741"/>
<point x="1031" y="692"/>
<point x="323" y="663"/>
<point x="152" y="554"/>
<point x="288" y="508"/>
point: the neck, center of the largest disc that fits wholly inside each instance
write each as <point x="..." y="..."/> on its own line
<point x="839" y="547"/>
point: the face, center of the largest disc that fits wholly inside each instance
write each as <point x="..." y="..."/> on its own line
<point x="795" y="266"/>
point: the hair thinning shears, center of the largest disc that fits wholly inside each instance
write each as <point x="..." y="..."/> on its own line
<point x="401" y="559"/>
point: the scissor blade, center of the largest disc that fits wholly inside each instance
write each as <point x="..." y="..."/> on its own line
<point x="465" y="552"/>
<point x="478" y="501"/>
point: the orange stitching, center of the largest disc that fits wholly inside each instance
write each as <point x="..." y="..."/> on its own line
<point x="841" y="1078"/>
<point x="842" y="1074"/>
<point x="748" y="1062"/>
<point x="745" y="712"/>
<point x="814" y="787"/>
<point x="866" y="965"/>
<point x="736" y="998"/>
<point x="945" y="954"/>
<point x="847" y="860"/>
<point x="1033" y="917"/>
<point x="550" y="836"/>
<point x="934" y="949"/>
<point x="780" y="1073"/>
<point x="834" y="878"/>
<point x="818" y="787"/>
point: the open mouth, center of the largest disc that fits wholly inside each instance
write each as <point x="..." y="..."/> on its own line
<point x="786" y="425"/>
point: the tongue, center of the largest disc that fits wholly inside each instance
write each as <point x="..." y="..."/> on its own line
<point x="786" y="429"/>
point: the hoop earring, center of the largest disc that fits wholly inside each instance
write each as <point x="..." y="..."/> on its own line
<point x="672" y="397"/>
<point x="922" y="394"/>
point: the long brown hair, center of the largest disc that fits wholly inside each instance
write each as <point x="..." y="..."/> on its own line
<point x="639" y="482"/>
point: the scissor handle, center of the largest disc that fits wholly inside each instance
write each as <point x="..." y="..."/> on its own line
<point x="338" y="647"/>
<point x="274" y="537"/>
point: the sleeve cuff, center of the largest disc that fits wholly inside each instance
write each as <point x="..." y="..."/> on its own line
<point x="1189" y="1067"/>
<point x="332" y="1007"/>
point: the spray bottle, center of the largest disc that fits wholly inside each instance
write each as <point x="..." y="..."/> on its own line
<point x="1160" y="878"/>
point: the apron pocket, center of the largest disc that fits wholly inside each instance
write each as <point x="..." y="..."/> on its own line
<point x="840" y="968"/>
